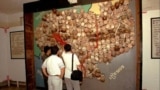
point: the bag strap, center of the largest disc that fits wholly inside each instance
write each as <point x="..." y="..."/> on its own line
<point x="72" y="62"/>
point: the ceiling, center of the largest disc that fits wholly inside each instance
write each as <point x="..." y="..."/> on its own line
<point x="12" y="6"/>
<point x="15" y="6"/>
<point x="150" y="5"/>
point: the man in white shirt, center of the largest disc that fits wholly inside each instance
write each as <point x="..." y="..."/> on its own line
<point x="67" y="57"/>
<point x="53" y="68"/>
<point x="45" y="54"/>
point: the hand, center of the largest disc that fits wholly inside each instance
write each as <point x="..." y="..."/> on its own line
<point x="60" y="76"/>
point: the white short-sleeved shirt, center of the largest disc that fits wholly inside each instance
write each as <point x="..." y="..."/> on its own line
<point x="67" y="57"/>
<point x="53" y="64"/>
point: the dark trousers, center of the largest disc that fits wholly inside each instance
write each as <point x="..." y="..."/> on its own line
<point x="46" y="83"/>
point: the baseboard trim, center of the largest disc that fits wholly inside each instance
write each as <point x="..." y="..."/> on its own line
<point x="13" y="83"/>
<point x="4" y="83"/>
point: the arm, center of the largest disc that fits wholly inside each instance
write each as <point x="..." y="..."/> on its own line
<point x="44" y="70"/>
<point x="62" y="68"/>
<point x="62" y="72"/>
<point x="77" y="62"/>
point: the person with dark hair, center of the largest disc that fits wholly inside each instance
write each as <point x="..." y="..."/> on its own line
<point x="45" y="54"/>
<point x="53" y="68"/>
<point x="67" y="58"/>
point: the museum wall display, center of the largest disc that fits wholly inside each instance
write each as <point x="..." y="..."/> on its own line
<point x="102" y="34"/>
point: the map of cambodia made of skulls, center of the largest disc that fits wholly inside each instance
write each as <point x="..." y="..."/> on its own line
<point x="97" y="32"/>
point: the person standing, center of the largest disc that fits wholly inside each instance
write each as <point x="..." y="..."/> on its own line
<point x="46" y="54"/>
<point x="67" y="58"/>
<point x="53" y="68"/>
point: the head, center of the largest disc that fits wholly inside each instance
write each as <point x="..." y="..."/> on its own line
<point x="54" y="49"/>
<point x="67" y="47"/>
<point x="47" y="50"/>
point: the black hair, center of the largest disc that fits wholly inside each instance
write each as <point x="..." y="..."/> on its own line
<point x="54" y="49"/>
<point x="46" y="48"/>
<point x="67" y="47"/>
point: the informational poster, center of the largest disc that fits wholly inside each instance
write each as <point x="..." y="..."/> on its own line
<point x="155" y="38"/>
<point x="17" y="44"/>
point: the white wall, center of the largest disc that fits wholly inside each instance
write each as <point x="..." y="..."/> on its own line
<point x="15" y="19"/>
<point x="3" y="20"/>
<point x="151" y="67"/>
<point x="11" y="20"/>
<point x="3" y="56"/>
<point x="14" y="68"/>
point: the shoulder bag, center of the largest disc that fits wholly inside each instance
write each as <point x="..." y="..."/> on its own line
<point x="76" y="74"/>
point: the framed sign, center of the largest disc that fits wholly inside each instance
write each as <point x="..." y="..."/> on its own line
<point x="155" y="38"/>
<point x="17" y="45"/>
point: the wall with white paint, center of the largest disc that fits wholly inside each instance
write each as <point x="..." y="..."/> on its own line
<point x="14" y="68"/>
<point x="151" y="67"/>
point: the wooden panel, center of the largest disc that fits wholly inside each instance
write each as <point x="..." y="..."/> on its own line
<point x="29" y="51"/>
<point x="138" y="45"/>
